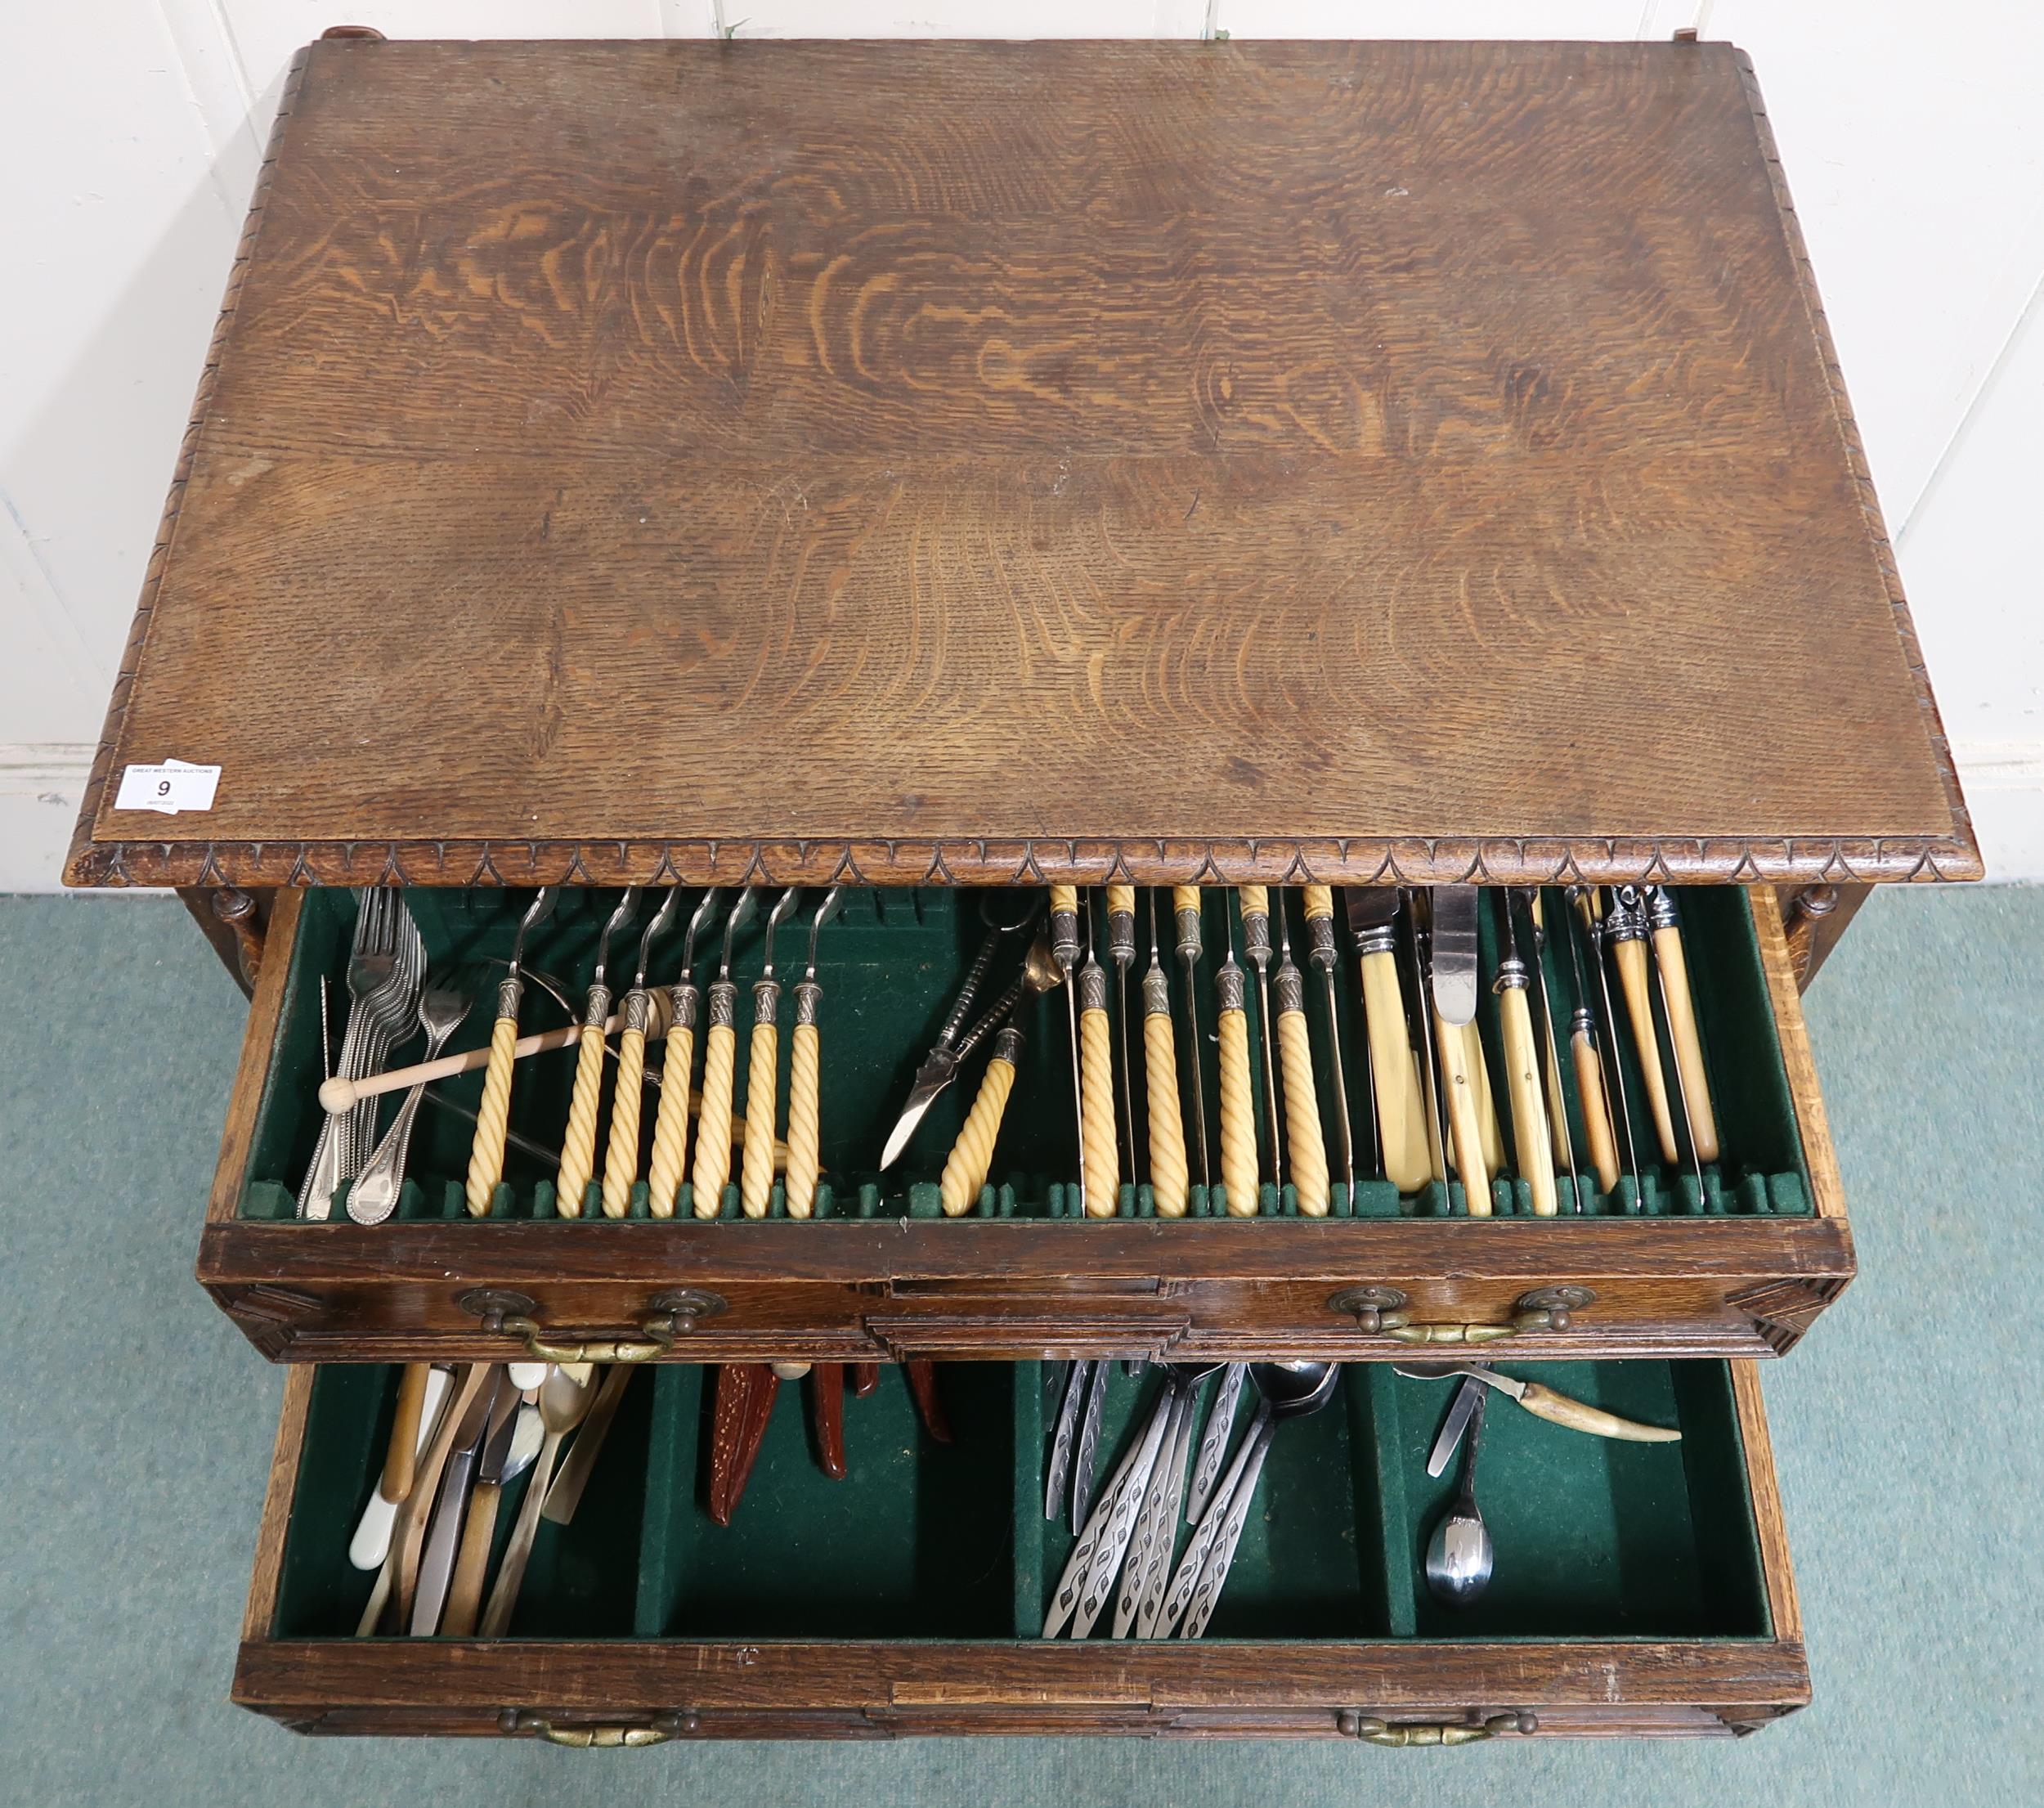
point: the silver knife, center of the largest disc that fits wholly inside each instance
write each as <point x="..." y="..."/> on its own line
<point x="1150" y="1518"/>
<point x="437" y="1566"/>
<point x="1454" y="952"/>
<point x="1077" y="1375"/>
<point x="1087" y="1455"/>
<point x="1214" y="1442"/>
<point x="1469" y="1397"/>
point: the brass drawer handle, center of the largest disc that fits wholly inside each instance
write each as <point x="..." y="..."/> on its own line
<point x="671" y="1316"/>
<point x="514" y="1722"/>
<point x="1381" y="1313"/>
<point x="657" y="1341"/>
<point x="1406" y="1733"/>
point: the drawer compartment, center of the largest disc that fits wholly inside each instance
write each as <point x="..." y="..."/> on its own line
<point x="1738" y="1267"/>
<point x="1638" y="1587"/>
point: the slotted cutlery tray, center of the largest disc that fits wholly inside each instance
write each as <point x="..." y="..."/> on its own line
<point x="1640" y="1587"/>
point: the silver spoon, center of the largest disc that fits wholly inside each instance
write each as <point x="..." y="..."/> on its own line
<point x="1459" y="1553"/>
<point x="1290" y="1390"/>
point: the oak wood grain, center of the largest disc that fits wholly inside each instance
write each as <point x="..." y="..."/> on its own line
<point x="1376" y="460"/>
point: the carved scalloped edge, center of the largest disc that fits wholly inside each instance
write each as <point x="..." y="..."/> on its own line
<point x="81" y="849"/>
<point x="1861" y="473"/>
<point x="1354" y="860"/>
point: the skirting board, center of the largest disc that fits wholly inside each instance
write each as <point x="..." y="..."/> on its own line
<point x="41" y="783"/>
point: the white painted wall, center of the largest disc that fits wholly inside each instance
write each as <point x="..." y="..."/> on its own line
<point x="130" y="131"/>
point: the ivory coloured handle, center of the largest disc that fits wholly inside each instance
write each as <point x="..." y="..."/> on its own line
<point x="1401" y="1116"/>
<point x="1560" y="1410"/>
<point x="401" y="1456"/>
<point x="1597" y="1124"/>
<point x="1631" y="959"/>
<point x="671" y="1124"/>
<point x="1238" y="1116"/>
<point x="1064" y="899"/>
<point x="1302" y="1116"/>
<point x="1255" y="898"/>
<point x="1682" y="1031"/>
<point x="1096" y="1080"/>
<point x="762" y="1083"/>
<point x="971" y="1158"/>
<point x="1557" y="1104"/>
<point x="1486" y="1099"/>
<point x="578" y="1145"/>
<point x="1184" y="898"/>
<point x="1167" y="1170"/>
<point x="471" y="1562"/>
<point x="1319" y="902"/>
<point x="1529" y="1134"/>
<point x="713" y="1134"/>
<point x="805" y="1133"/>
<point x="1121" y="900"/>
<point x="1465" y="1129"/>
<point x="493" y="1114"/>
<point x="620" y="1158"/>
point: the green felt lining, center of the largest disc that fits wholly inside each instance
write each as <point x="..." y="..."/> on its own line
<point x="1595" y="1539"/>
<point x="889" y="966"/>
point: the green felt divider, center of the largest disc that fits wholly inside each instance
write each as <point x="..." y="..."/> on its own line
<point x="1594" y="1539"/>
<point x="889" y="966"/>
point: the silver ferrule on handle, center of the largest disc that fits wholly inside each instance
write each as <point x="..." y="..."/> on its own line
<point x="766" y="1002"/>
<point x="1290" y="986"/>
<point x="685" y="1001"/>
<point x="1582" y="1021"/>
<point x="510" y="990"/>
<point x="1092" y="987"/>
<point x="1256" y="938"/>
<point x="637" y="1011"/>
<point x="723" y="1005"/>
<point x="1319" y="937"/>
<point x="1156" y="993"/>
<point x="1382" y="940"/>
<point x="1189" y="941"/>
<point x="1007" y="1046"/>
<point x="1661" y="909"/>
<point x="597" y="1012"/>
<point x="1121" y="936"/>
<point x="1625" y="922"/>
<point x="808" y="995"/>
<point x="1064" y="943"/>
<point x="1513" y="975"/>
<point x="1229" y="987"/>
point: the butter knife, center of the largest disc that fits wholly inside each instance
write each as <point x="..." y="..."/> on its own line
<point x="1454" y="952"/>
<point x="1468" y="1398"/>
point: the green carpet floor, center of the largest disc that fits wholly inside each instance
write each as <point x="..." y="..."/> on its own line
<point x="138" y="1426"/>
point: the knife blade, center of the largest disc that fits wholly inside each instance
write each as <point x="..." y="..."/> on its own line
<point x="1469" y="1397"/>
<point x="437" y="1566"/>
<point x="1454" y="952"/>
<point x="931" y="1078"/>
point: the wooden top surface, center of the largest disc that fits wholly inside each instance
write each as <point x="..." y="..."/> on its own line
<point x="915" y="461"/>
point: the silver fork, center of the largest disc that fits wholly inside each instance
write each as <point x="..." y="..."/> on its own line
<point x="370" y="963"/>
<point x="393" y="1013"/>
<point x="373" y="1196"/>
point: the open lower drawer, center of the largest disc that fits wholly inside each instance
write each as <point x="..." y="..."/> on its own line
<point x="1739" y="1268"/>
<point x="1638" y="1588"/>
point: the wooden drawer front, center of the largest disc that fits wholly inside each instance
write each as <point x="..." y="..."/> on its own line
<point x="1639" y="1589"/>
<point x="880" y="1273"/>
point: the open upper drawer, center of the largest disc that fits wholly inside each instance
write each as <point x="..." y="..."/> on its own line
<point x="1653" y="1265"/>
<point x="1638" y="1588"/>
<point x="916" y="463"/>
